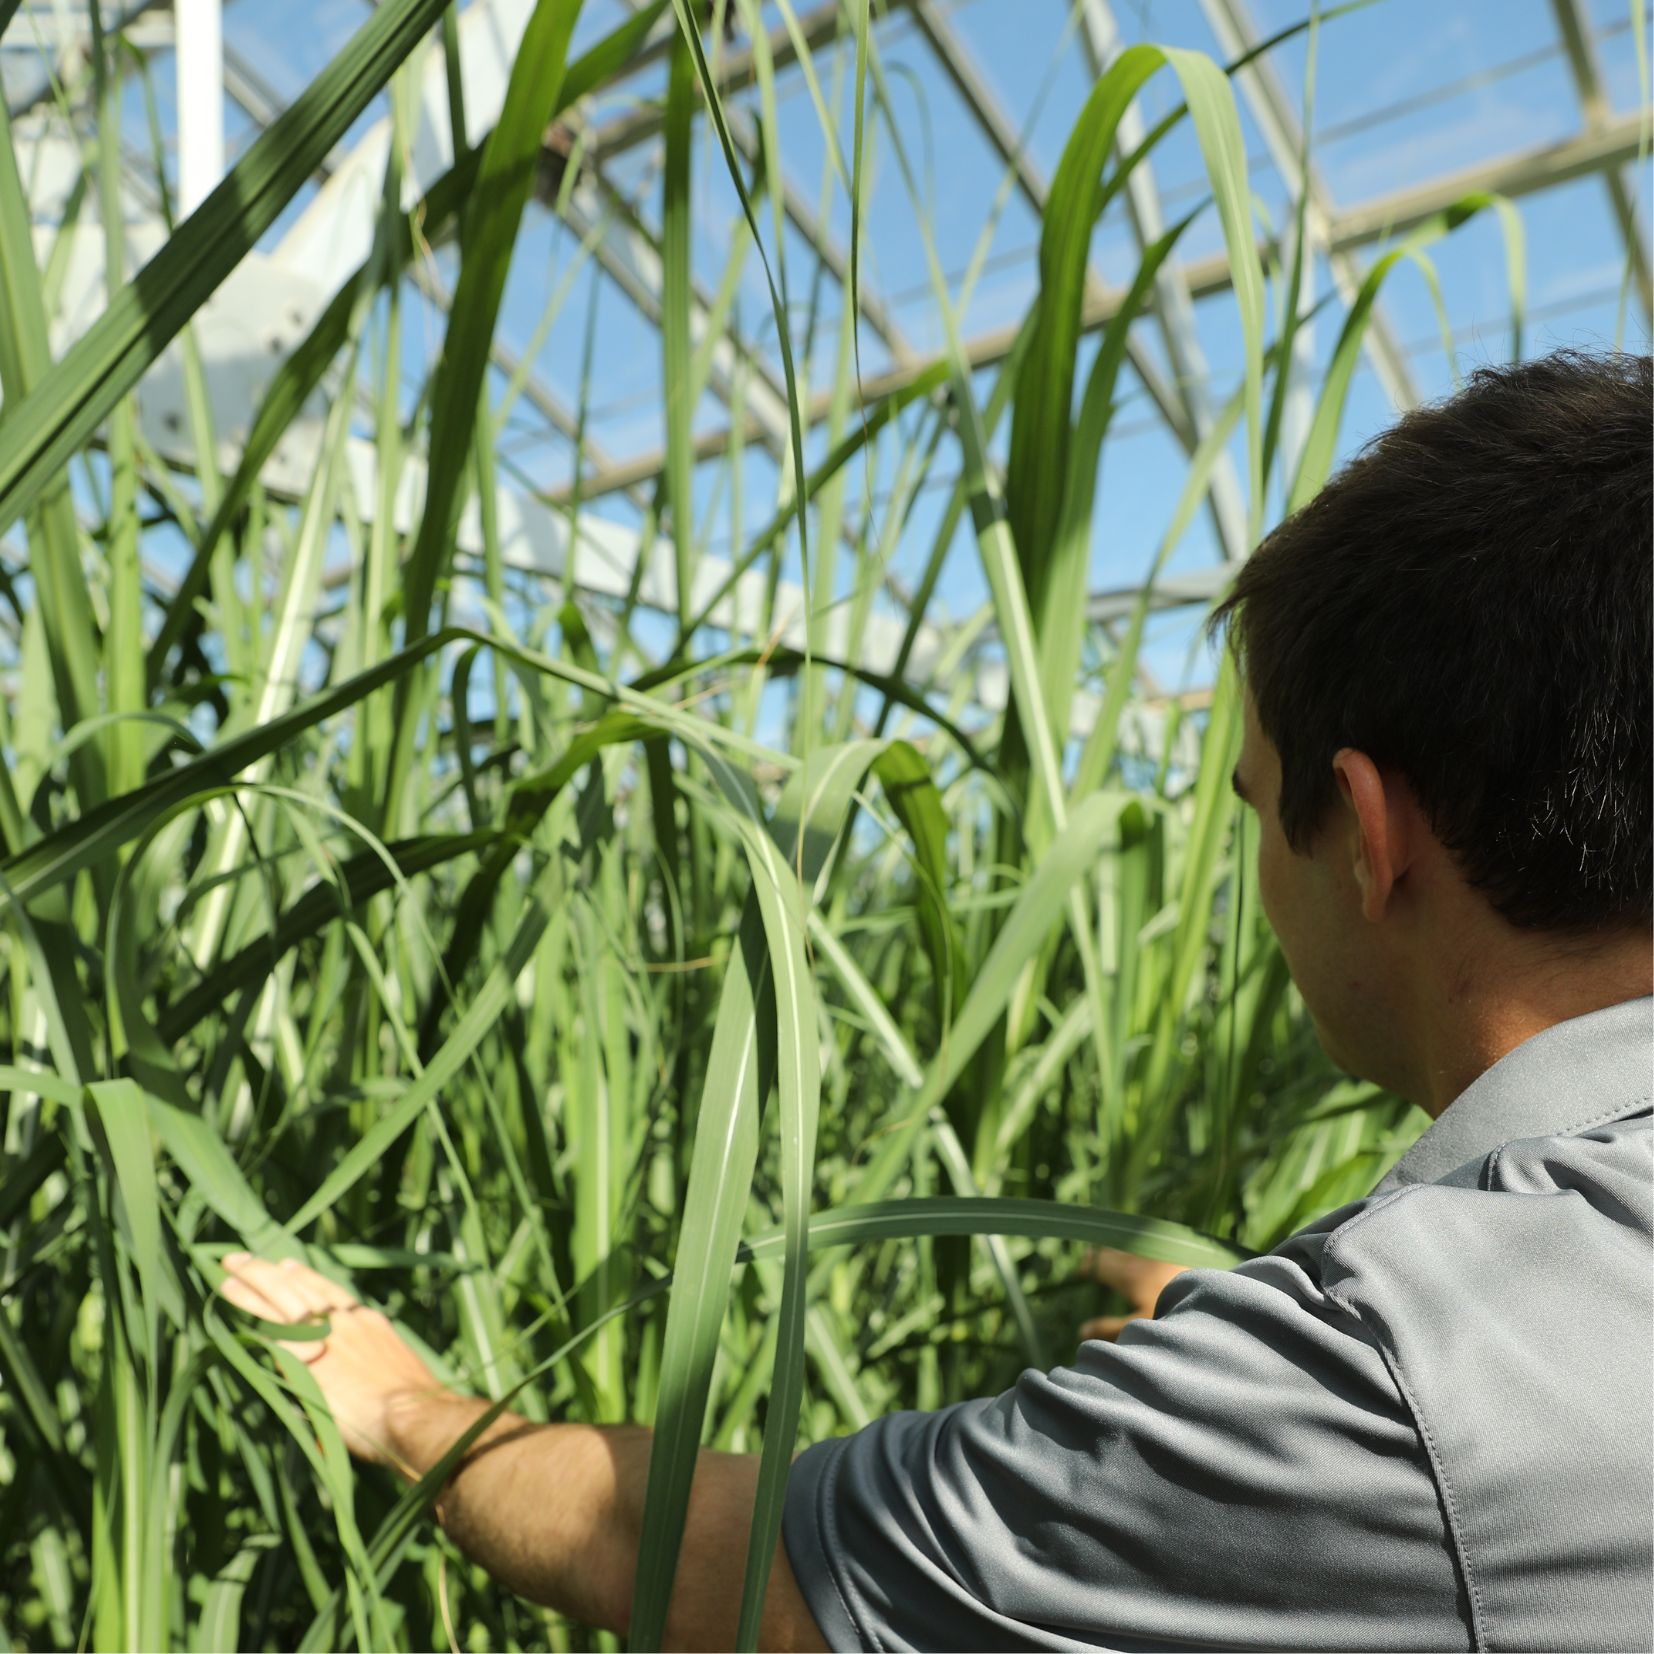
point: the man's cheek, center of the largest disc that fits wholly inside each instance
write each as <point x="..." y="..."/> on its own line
<point x="1268" y="885"/>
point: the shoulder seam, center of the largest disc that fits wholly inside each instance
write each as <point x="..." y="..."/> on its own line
<point x="1381" y="1203"/>
<point x="1597" y="1119"/>
<point x="1392" y="1362"/>
<point x="1492" y="1166"/>
<point x="1444" y="1486"/>
<point x="827" y="1521"/>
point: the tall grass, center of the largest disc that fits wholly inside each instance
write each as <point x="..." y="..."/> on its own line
<point x="735" y="1043"/>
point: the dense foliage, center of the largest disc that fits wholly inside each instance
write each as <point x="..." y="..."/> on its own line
<point x="501" y="972"/>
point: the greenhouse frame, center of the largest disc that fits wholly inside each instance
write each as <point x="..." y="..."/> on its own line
<point x="627" y="739"/>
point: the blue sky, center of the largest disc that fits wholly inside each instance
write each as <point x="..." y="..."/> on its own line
<point x="1406" y="90"/>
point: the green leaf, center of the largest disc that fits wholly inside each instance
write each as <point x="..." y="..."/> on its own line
<point x="58" y="416"/>
<point x="676" y="298"/>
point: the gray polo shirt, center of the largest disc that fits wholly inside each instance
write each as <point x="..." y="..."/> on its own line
<point x="1421" y="1422"/>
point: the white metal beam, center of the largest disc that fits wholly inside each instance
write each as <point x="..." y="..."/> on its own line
<point x="1172" y="591"/>
<point x="1613" y="145"/>
<point x="262" y="104"/>
<point x="332" y="236"/>
<point x="262" y="311"/>
<point x="334" y="233"/>
<point x="1223" y="499"/>
<point x="200" y="54"/>
<point x="252" y="322"/>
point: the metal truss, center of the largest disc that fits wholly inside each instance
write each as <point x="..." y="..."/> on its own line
<point x="1231" y="23"/>
<point x="1174" y="308"/>
<point x="1593" y="103"/>
<point x="270" y="302"/>
<point x="261" y="104"/>
<point x="1180" y="403"/>
<point x="1517" y="174"/>
<point x="1613" y="145"/>
<point x="271" y="299"/>
<point x="736" y="73"/>
<point x="629" y="254"/>
<point x="62" y="34"/>
<point x="996" y="127"/>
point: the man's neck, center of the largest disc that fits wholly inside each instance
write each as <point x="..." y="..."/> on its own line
<point x="1477" y="1016"/>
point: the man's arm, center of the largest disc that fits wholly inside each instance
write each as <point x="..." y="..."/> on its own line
<point x="552" y="1511"/>
<point x="1140" y="1280"/>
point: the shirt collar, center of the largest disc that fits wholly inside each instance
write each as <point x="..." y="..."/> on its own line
<point x="1567" y="1076"/>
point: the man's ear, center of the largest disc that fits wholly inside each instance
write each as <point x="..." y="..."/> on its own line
<point x="1378" y="828"/>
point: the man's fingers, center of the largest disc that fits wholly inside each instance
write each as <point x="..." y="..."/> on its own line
<point x="1125" y="1271"/>
<point x="237" y="1290"/>
<point x="281" y="1289"/>
<point x="246" y="1296"/>
<point x="281" y="1302"/>
<point x="319" y="1295"/>
<point x="1109" y="1265"/>
<point x="1141" y="1279"/>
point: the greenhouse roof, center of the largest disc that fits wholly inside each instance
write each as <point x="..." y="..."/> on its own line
<point x="1408" y="105"/>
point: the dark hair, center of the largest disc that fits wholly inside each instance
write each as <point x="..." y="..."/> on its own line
<point x="1468" y="601"/>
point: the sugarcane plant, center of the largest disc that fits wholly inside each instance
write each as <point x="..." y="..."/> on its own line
<point x="713" y="1034"/>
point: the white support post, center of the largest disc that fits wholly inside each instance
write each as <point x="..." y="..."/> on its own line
<point x="200" y="47"/>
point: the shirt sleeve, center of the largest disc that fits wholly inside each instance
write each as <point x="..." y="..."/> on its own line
<point x="1238" y="1473"/>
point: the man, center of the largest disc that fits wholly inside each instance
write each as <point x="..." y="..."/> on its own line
<point x="1423" y="1421"/>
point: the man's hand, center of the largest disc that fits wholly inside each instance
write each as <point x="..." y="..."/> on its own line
<point x="1139" y="1279"/>
<point x="553" y="1511"/>
<point x="363" y="1368"/>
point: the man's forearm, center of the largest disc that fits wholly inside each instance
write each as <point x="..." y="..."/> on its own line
<point x="536" y="1505"/>
<point x="554" y="1512"/>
